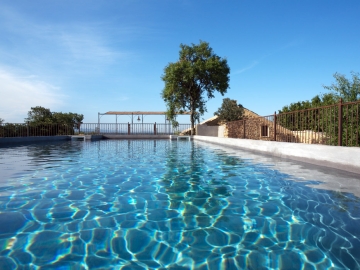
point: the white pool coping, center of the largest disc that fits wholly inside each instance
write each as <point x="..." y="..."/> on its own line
<point x="338" y="157"/>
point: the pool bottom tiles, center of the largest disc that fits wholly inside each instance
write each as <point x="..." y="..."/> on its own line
<point x="167" y="205"/>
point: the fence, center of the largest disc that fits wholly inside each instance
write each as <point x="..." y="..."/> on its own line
<point x="137" y="128"/>
<point x="336" y="124"/>
<point x="27" y="129"/>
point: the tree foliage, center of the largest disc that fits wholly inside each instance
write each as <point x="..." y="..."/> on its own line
<point x="343" y="88"/>
<point x="230" y="110"/>
<point x="41" y="115"/>
<point x="325" y="119"/>
<point x="42" y="122"/>
<point x="192" y="80"/>
<point x="317" y="101"/>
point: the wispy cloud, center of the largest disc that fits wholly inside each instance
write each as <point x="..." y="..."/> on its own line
<point x="36" y="57"/>
<point x="252" y="65"/>
<point x="291" y="44"/>
<point x="20" y="93"/>
<point x="80" y="47"/>
<point x="122" y="98"/>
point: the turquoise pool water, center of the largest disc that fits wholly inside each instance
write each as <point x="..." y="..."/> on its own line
<point x="167" y="205"/>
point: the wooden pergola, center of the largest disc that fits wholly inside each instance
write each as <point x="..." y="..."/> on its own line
<point x="138" y="113"/>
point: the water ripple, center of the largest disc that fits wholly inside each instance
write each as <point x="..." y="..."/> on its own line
<point x="167" y="205"/>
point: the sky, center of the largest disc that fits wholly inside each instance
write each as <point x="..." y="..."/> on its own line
<point x="89" y="56"/>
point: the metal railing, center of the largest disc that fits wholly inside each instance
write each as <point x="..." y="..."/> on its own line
<point x="28" y="129"/>
<point x="336" y="124"/>
<point x="137" y="128"/>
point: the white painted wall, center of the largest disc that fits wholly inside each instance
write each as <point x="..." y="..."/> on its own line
<point x="213" y="131"/>
<point x="221" y="130"/>
<point x="205" y="130"/>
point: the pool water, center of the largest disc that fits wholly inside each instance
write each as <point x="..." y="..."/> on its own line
<point x="144" y="204"/>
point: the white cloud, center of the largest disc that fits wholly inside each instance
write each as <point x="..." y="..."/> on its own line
<point x="291" y="44"/>
<point x="252" y="65"/>
<point x="64" y="48"/>
<point x="123" y="98"/>
<point x="80" y="46"/>
<point x="20" y="93"/>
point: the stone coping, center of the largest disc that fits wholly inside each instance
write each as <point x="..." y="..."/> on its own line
<point x="138" y="137"/>
<point x="338" y="157"/>
<point x="4" y="141"/>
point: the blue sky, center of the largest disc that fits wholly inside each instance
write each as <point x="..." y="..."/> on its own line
<point x="90" y="56"/>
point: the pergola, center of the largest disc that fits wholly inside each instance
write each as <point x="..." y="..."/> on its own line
<point x="137" y="113"/>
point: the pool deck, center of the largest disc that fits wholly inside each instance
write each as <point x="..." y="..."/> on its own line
<point x="337" y="157"/>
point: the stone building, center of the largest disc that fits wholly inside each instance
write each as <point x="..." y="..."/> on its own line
<point x="256" y="127"/>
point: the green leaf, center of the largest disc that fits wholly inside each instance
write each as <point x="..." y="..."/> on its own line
<point x="192" y="80"/>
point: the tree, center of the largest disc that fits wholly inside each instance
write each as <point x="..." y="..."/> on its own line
<point x="39" y="114"/>
<point x="317" y="101"/>
<point x="197" y="74"/>
<point x="53" y="123"/>
<point x="68" y="118"/>
<point x="1" y="121"/>
<point x="230" y="110"/>
<point x="323" y="119"/>
<point x="345" y="89"/>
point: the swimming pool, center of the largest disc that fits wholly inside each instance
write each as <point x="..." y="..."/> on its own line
<point x="145" y="204"/>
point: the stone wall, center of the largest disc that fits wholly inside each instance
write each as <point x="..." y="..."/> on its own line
<point x="253" y="127"/>
<point x="311" y="137"/>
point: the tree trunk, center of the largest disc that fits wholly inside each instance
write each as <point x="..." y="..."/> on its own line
<point x="192" y="117"/>
<point x="192" y="123"/>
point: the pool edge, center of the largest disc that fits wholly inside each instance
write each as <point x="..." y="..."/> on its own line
<point x="337" y="157"/>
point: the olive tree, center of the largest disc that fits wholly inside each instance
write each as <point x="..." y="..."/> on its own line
<point x="344" y="88"/>
<point x="192" y="80"/>
<point x="53" y="122"/>
<point x="38" y="115"/>
<point x="230" y="110"/>
<point x="41" y="115"/>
